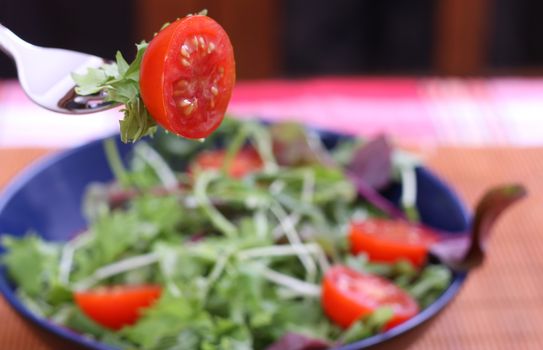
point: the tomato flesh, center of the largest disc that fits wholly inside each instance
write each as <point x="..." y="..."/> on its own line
<point x="117" y="306"/>
<point x="348" y="295"/>
<point x="246" y="161"/>
<point x="187" y="75"/>
<point x="391" y="240"/>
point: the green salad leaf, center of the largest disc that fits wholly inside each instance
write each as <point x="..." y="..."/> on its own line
<point x="35" y="275"/>
<point x="119" y="81"/>
<point x="368" y="325"/>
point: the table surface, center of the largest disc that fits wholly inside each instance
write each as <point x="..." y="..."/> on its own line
<point x="500" y="306"/>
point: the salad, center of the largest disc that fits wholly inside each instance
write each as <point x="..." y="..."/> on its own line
<point x="255" y="238"/>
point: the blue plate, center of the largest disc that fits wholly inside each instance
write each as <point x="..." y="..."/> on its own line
<point x="46" y="198"/>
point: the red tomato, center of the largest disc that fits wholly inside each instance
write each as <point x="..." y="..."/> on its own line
<point x="117" y="306"/>
<point x="187" y="75"/>
<point x="391" y="240"/>
<point x="244" y="162"/>
<point x="348" y="295"/>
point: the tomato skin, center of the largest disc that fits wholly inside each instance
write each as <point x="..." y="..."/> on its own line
<point x="116" y="306"/>
<point x="391" y="240"/>
<point x="348" y="295"/>
<point x="151" y="73"/>
<point x="246" y="161"/>
<point x="186" y="84"/>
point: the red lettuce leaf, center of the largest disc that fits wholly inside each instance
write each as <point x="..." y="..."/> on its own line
<point x="466" y="251"/>
<point x="373" y="163"/>
<point x="375" y="198"/>
<point x="296" y="341"/>
<point x="370" y="170"/>
<point x="293" y="145"/>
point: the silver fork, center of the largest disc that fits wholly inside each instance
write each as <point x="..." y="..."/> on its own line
<point x="45" y="75"/>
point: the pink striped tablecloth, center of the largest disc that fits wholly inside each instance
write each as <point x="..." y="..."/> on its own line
<point x="424" y="112"/>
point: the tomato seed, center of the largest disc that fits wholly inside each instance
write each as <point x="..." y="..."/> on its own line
<point x="188" y="109"/>
<point x="185" y="51"/>
<point x="202" y="42"/>
<point x="210" y="48"/>
<point x="185" y="102"/>
<point x="181" y="84"/>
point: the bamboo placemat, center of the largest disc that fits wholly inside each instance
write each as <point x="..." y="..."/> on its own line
<point x="500" y="307"/>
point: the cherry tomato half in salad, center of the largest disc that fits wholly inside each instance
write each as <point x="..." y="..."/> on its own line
<point x="348" y="295"/>
<point x="116" y="306"/>
<point x="246" y="161"/>
<point x="391" y="240"/>
<point x="187" y="75"/>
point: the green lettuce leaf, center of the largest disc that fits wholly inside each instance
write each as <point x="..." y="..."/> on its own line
<point x="368" y="326"/>
<point x="34" y="275"/>
<point x="119" y="81"/>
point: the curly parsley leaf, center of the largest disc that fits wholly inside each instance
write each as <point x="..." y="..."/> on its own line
<point x="368" y="326"/>
<point x="120" y="82"/>
<point x="37" y="275"/>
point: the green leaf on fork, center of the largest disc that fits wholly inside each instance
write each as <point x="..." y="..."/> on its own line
<point x="120" y="82"/>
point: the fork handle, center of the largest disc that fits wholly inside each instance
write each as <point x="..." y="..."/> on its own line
<point x="10" y="43"/>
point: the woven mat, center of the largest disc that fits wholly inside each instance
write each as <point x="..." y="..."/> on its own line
<point x="500" y="308"/>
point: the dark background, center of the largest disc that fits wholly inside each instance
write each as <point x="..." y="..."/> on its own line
<point x="296" y="38"/>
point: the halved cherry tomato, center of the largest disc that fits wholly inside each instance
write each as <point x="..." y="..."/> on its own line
<point x="391" y="240"/>
<point x="187" y="75"/>
<point x="117" y="306"/>
<point x="348" y="295"/>
<point x="246" y="161"/>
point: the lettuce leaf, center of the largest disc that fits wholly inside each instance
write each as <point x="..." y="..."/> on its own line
<point x="119" y="81"/>
<point x="38" y="274"/>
